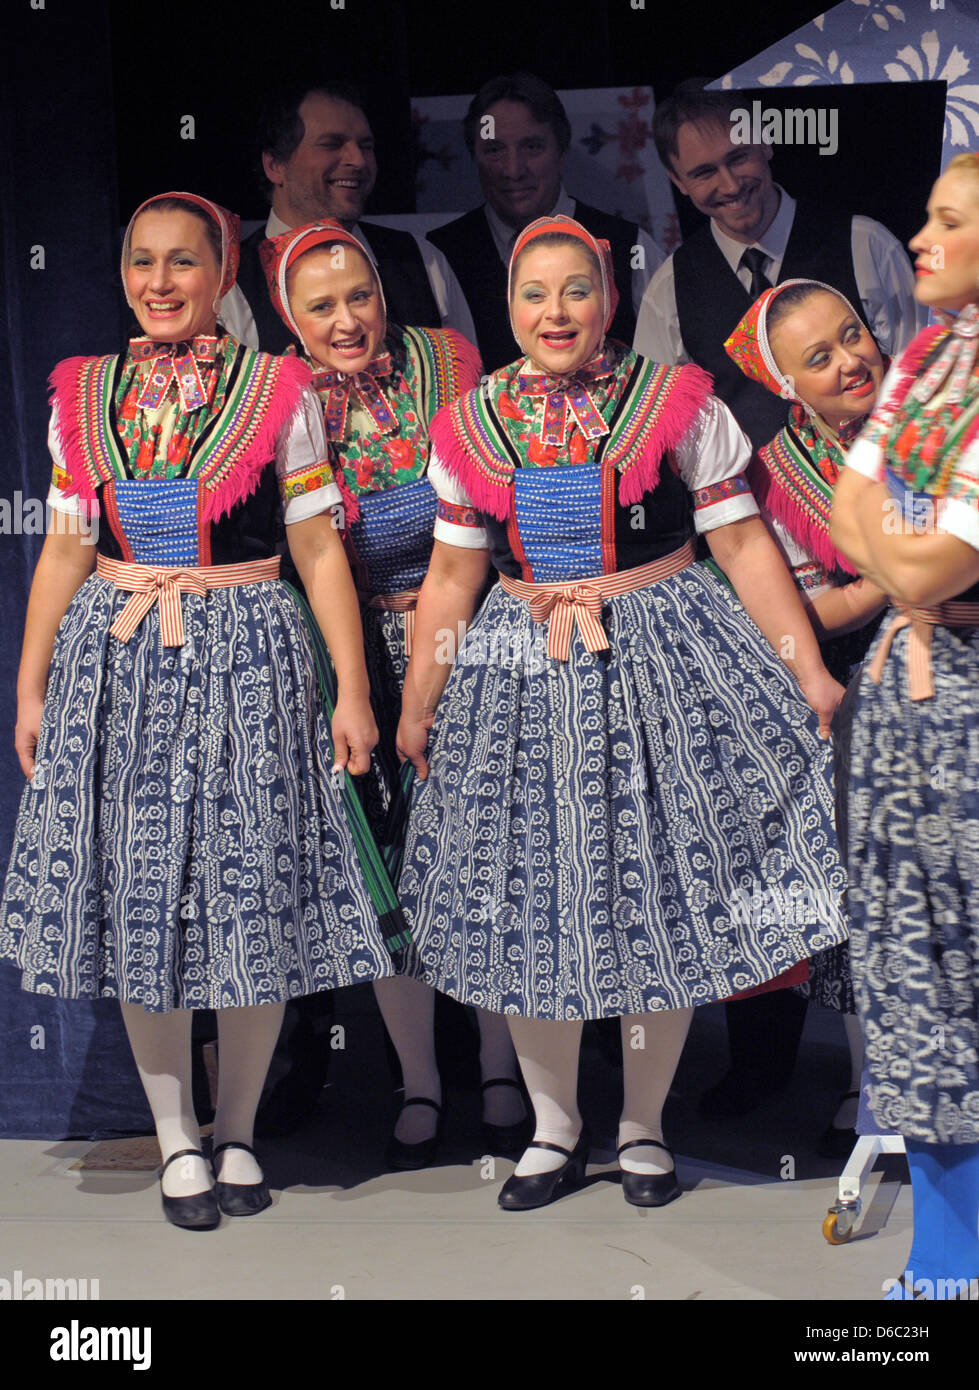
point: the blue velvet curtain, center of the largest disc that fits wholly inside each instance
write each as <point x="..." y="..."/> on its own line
<point x="66" y="1066"/>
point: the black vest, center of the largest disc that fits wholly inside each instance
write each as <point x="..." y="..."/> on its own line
<point x="468" y="246"/>
<point x="407" y="292"/>
<point x="711" y="300"/>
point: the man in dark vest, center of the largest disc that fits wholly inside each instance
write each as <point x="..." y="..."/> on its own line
<point x="518" y="132"/>
<point x="757" y="236"/>
<point x="318" y="160"/>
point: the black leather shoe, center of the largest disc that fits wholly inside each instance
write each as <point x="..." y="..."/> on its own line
<point x="238" y="1198"/>
<point x="409" y="1157"/>
<point x="834" y="1142"/>
<point x="505" y="1140"/>
<point x="648" y="1189"/>
<point x="539" y="1189"/>
<point x="198" y="1212"/>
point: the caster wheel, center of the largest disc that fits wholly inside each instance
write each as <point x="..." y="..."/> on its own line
<point x="832" y="1232"/>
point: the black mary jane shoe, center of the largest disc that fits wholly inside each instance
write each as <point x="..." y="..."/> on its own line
<point x="648" y="1189"/>
<point x="409" y="1157"/>
<point x="539" y="1189"/>
<point x="505" y="1140"/>
<point x="199" y="1211"/>
<point x="835" y="1142"/>
<point x="240" y="1198"/>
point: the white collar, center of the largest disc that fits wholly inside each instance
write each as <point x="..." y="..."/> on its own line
<point x="275" y="227"/>
<point x="504" y="235"/>
<point x="774" y="241"/>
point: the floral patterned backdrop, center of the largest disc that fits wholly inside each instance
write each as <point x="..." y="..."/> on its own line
<point x="611" y="164"/>
<point x="880" y="41"/>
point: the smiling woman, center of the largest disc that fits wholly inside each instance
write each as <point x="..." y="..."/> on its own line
<point x="157" y="790"/>
<point x="173" y="272"/>
<point x="560" y="296"/>
<point x="380" y="384"/>
<point x="579" y="845"/>
<point x="915" y="801"/>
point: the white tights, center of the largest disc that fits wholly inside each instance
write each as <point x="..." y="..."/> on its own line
<point x="548" y="1056"/>
<point x="408" y="1007"/>
<point x="161" y="1047"/>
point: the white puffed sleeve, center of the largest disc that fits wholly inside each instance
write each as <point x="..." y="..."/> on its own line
<point x="302" y="463"/>
<point x="457" y="522"/>
<point x="712" y="457"/>
<point x="958" y="513"/>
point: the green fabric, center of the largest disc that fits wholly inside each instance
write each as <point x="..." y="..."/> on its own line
<point x="375" y="863"/>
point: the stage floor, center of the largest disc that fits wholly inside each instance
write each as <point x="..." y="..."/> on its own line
<point x="342" y="1227"/>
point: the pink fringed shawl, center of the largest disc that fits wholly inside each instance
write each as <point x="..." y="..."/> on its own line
<point x="228" y="460"/>
<point x="478" y="439"/>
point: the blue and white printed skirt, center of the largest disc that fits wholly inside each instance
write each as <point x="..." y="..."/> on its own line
<point x="642" y="829"/>
<point x="182" y="844"/>
<point x="914" y="892"/>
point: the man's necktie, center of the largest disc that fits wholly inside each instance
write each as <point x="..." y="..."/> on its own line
<point x="754" y="259"/>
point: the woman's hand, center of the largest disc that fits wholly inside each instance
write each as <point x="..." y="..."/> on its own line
<point x="412" y="741"/>
<point x="354" y="734"/>
<point x="823" y="694"/>
<point x="27" y="731"/>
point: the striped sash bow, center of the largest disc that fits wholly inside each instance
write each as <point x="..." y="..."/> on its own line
<point x="921" y="621"/>
<point x="581" y="600"/>
<point x="149" y="584"/>
<point x="406" y="603"/>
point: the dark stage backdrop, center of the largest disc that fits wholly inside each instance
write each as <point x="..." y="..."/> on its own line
<point x="94" y="101"/>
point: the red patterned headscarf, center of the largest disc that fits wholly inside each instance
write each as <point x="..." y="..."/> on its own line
<point x="228" y="222"/>
<point x="749" y="348"/>
<point x="598" y="246"/>
<point x="279" y="252"/>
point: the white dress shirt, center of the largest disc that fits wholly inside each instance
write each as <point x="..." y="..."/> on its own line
<point x="504" y="237"/>
<point x="237" y="317"/>
<point x="880" y="266"/>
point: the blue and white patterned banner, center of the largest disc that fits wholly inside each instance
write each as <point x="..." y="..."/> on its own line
<point x="878" y="41"/>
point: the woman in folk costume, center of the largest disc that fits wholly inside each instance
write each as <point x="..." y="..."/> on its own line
<point x="603" y="817"/>
<point x="180" y="843"/>
<point x="906" y="514"/>
<point x="804" y="341"/>
<point x="380" y="385"/>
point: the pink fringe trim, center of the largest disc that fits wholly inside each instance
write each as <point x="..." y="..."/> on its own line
<point x="688" y="395"/>
<point x="63" y="385"/>
<point x="494" y="499"/>
<point x="774" y="500"/>
<point x="469" y="364"/>
<point x="292" y="376"/>
<point x="690" y="390"/>
<point x="351" y="504"/>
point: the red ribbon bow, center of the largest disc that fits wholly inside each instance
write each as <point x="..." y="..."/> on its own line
<point x="175" y="360"/>
<point x="568" y="398"/>
<point x="335" y="387"/>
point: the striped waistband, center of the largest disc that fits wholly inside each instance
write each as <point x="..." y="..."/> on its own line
<point x="581" y="600"/>
<point x="922" y="622"/>
<point x="149" y="584"/>
<point x="406" y="602"/>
